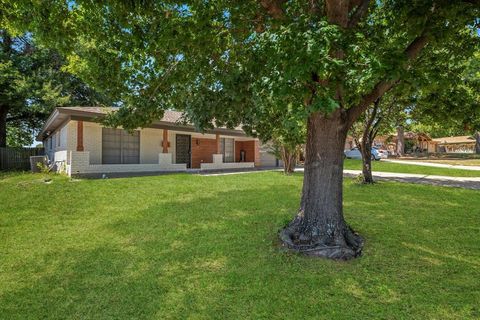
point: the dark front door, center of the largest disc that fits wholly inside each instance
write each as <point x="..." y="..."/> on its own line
<point x="182" y="149"/>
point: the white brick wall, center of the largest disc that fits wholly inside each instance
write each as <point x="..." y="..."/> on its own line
<point x="72" y="135"/>
<point x="218" y="164"/>
<point x="80" y="163"/>
<point x="92" y="141"/>
<point x="150" y="145"/>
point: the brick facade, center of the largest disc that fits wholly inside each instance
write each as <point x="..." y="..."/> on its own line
<point x="252" y="151"/>
<point x="203" y="151"/>
<point x="152" y="159"/>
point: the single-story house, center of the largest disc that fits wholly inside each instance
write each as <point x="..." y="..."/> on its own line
<point x="459" y="144"/>
<point x="77" y="142"/>
<point x="414" y="143"/>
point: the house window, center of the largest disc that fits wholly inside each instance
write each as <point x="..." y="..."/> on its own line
<point x="227" y="148"/>
<point x="120" y="147"/>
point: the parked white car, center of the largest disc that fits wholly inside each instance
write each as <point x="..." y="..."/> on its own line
<point x="383" y="154"/>
<point x="355" y="153"/>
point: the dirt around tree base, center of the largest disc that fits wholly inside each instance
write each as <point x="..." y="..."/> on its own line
<point x="344" y="246"/>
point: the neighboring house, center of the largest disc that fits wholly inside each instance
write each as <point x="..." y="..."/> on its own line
<point x="459" y="144"/>
<point x="76" y="141"/>
<point x="415" y="143"/>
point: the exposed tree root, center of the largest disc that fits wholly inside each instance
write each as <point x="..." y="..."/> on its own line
<point x="343" y="244"/>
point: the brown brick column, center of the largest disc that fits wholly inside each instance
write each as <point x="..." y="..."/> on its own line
<point x="165" y="141"/>
<point x="80" y="136"/>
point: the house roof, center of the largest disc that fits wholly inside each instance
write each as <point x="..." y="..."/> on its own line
<point x="168" y="116"/>
<point x="171" y="120"/>
<point x="409" y="135"/>
<point x="455" y="140"/>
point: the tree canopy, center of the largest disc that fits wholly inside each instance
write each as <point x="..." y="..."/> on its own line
<point x="32" y="83"/>
<point x="242" y="61"/>
<point x="454" y="108"/>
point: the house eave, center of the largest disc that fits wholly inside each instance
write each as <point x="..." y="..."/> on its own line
<point x="60" y="115"/>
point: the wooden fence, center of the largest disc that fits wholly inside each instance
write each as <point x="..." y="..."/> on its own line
<point x="18" y="158"/>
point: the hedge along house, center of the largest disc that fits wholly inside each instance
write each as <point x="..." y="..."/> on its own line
<point x="79" y="144"/>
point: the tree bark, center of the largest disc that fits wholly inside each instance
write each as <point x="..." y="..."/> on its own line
<point x="366" y="150"/>
<point x="319" y="228"/>
<point x="289" y="159"/>
<point x="369" y="134"/>
<point x="3" y="126"/>
<point x="400" y="141"/>
<point x="477" y="142"/>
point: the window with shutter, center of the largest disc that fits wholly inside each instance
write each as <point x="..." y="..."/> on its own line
<point x="120" y="147"/>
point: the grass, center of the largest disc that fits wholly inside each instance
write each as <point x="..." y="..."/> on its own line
<point x="383" y="166"/>
<point x="198" y="247"/>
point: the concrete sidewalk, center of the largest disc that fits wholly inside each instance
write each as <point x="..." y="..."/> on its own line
<point x="431" y="164"/>
<point x="460" y="182"/>
<point x="444" y="181"/>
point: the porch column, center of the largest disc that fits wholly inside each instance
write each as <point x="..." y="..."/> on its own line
<point x="80" y="136"/>
<point x="165" y="141"/>
<point x="217" y="140"/>
<point x="256" y="158"/>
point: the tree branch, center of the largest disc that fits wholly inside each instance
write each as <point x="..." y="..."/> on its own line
<point x="370" y="120"/>
<point x="411" y="52"/>
<point x="337" y="12"/>
<point x="274" y="8"/>
<point x="360" y="11"/>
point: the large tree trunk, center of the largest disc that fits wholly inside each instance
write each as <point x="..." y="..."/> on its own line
<point x="3" y="126"/>
<point x="319" y="228"/>
<point x="477" y="142"/>
<point x="366" y="150"/>
<point x="400" y="141"/>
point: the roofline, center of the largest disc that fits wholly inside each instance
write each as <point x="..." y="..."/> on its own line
<point x="49" y="120"/>
<point x="89" y="116"/>
<point x="457" y="142"/>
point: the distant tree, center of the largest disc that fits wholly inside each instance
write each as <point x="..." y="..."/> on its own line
<point x="364" y="132"/>
<point x="32" y="83"/>
<point x="451" y="104"/>
<point x="226" y="62"/>
<point x="288" y="136"/>
<point x="384" y="116"/>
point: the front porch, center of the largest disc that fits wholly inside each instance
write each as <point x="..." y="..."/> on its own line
<point x="95" y="150"/>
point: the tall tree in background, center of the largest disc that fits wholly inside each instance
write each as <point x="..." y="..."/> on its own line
<point x="230" y="62"/>
<point x="32" y="83"/>
<point x="452" y="101"/>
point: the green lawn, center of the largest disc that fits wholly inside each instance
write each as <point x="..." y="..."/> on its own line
<point x="383" y="166"/>
<point x="198" y="247"/>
